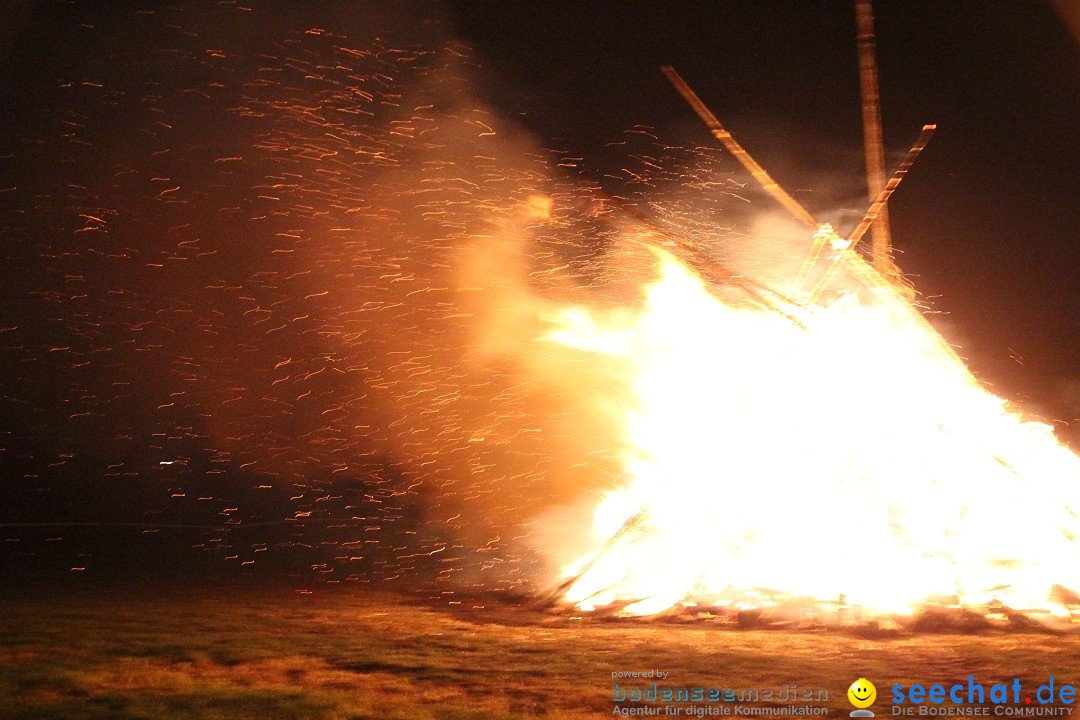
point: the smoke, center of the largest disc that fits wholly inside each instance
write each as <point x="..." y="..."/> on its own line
<point x="1069" y="11"/>
<point x="285" y="266"/>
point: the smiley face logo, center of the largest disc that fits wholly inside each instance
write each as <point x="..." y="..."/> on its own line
<point x="862" y="693"/>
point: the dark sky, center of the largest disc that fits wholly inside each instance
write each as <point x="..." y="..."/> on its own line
<point x="147" y="151"/>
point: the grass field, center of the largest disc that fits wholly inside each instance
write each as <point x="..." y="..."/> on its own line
<point x="352" y="655"/>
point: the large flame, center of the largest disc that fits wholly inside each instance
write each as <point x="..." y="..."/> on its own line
<point x="846" y="454"/>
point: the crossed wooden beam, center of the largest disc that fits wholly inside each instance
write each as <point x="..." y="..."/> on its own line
<point x="802" y="291"/>
<point x="800" y="294"/>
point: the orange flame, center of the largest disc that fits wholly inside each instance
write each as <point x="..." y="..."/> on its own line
<point x="758" y="455"/>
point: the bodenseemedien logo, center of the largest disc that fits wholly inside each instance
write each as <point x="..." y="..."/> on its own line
<point x="862" y="695"/>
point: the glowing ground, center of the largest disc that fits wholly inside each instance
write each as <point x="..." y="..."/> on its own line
<point x="352" y="655"/>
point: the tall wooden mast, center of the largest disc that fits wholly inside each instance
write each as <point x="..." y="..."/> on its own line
<point x="874" y="148"/>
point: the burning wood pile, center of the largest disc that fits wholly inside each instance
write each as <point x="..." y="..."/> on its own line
<point x="815" y="454"/>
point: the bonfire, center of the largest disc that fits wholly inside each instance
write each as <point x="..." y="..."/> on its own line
<point x="764" y="473"/>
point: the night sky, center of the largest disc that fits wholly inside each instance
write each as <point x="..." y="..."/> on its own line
<point x="166" y="197"/>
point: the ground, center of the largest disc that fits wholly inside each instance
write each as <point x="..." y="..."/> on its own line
<point x="349" y="655"/>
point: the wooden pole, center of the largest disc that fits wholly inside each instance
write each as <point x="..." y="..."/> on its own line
<point x="874" y="212"/>
<point x="874" y="148"/>
<point x="720" y="133"/>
